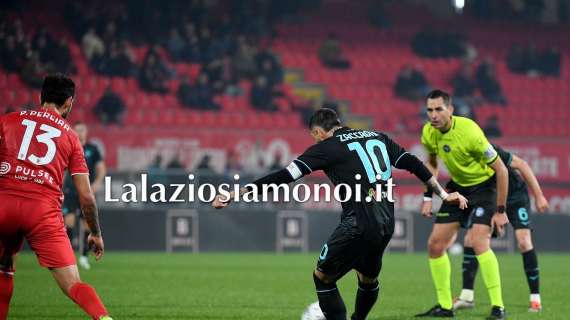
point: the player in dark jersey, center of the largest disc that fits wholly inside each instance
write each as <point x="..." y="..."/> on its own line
<point x="352" y="157"/>
<point x="71" y="209"/>
<point x="518" y="211"/>
<point x="36" y="146"/>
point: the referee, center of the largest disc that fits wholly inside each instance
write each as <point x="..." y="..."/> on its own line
<point x="480" y="175"/>
<point x="71" y="209"/>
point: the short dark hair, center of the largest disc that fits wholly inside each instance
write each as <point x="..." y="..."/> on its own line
<point x="434" y="94"/>
<point x="57" y="88"/>
<point x="325" y="118"/>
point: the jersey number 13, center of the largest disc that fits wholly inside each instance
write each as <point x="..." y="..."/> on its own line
<point x="46" y="138"/>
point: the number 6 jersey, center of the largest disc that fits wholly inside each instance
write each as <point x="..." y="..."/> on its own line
<point x="36" y="146"/>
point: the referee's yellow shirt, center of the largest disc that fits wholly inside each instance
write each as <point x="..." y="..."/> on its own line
<point x="464" y="149"/>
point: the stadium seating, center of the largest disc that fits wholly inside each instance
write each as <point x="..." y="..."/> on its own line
<point x="376" y="55"/>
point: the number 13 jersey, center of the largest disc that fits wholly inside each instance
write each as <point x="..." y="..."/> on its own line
<point x="36" y="146"/>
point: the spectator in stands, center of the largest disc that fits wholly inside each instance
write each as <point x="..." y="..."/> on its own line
<point x="110" y="108"/>
<point x="261" y="96"/>
<point x="11" y="56"/>
<point x="516" y="59"/>
<point x="377" y="15"/>
<point x="330" y="54"/>
<point x="204" y="166"/>
<point x="175" y="163"/>
<point x="220" y="74"/>
<point x="93" y="47"/>
<point x="233" y="164"/>
<point x="411" y="84"/>
<point x="199" y="96"/>
<point x="463" y="84"/>
<point x="488" y="83"/>
<point x="118" y="61"/>
<point x="276" y="164"/>
<point x="153" y="74"/>
<point x="44" y="44"/>
<point x="549" y="62"/>
<point x="244" y="59"/>
<point x="269" y="66"/>
<point x="33" y="71"/>
<point x="62" y="61"/>
<point x="532" y="9"/>
<point x="491" y="128"/>
<point x="175" y="45"/>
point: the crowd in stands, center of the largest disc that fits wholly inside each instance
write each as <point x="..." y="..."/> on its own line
<point x="32" y="55"/>
<point x="434" y="44"/>
<point x="530" y="61"/>
<point x="226" y="41"/>
<point x="330" y="54"/>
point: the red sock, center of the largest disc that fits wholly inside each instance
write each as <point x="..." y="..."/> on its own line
<point x="86" y="297"/>
<point x="6" y="289"/>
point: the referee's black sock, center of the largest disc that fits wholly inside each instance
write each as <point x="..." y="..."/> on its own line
<point x="530" y="262"/>
<point x="366" y="297"/>
<point x="85" y="244"/>
<point x="470" y="266"/>
<point x="330" y="300"/>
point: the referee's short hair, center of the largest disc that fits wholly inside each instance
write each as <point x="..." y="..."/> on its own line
<point x="434" y="94"/>
<point x="325" y="118"/>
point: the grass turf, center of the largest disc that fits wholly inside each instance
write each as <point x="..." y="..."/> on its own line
<point x="267" y="286"/>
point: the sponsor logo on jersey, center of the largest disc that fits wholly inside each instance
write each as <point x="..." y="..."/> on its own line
<point x="4" y="168"/>
<point x="446" y="148"/>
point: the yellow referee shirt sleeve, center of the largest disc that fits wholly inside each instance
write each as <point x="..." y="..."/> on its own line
<point x="479" y="146"/>
<point x="427" y="140"/>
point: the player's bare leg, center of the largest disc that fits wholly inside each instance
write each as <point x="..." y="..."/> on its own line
<point x="366" y="296"/>
<point x="81" y="293"/>
<point x="330" y="301"/>
<point x="440" y="237"/>
<point x="6" y="285"/>
<point x="530" y="263"/>
<point x="480" y="239"/>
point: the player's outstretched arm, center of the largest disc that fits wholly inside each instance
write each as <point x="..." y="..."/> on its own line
<point x="412" y="164"/>
<point x="500" y="218"/>
<point x="283" y="176"/>
<point x="90" y="213"/>
<point x="529" y="177"/>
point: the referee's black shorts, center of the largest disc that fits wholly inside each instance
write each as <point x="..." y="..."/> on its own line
<point x="480" y="209"/>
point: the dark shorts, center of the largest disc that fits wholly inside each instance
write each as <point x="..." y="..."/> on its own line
<point x="348" y="249"/>
<point x="519" y="214"/>
<point x="480" y="208"/>
<point x="71" y="205"/>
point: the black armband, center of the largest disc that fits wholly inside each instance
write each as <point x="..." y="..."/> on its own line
<point x="278" y="177"/>
<point x="413" y="165"/>
<point x="429" y="192"/>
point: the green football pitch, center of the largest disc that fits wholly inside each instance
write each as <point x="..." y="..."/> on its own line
<point x="267" y="286"/>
